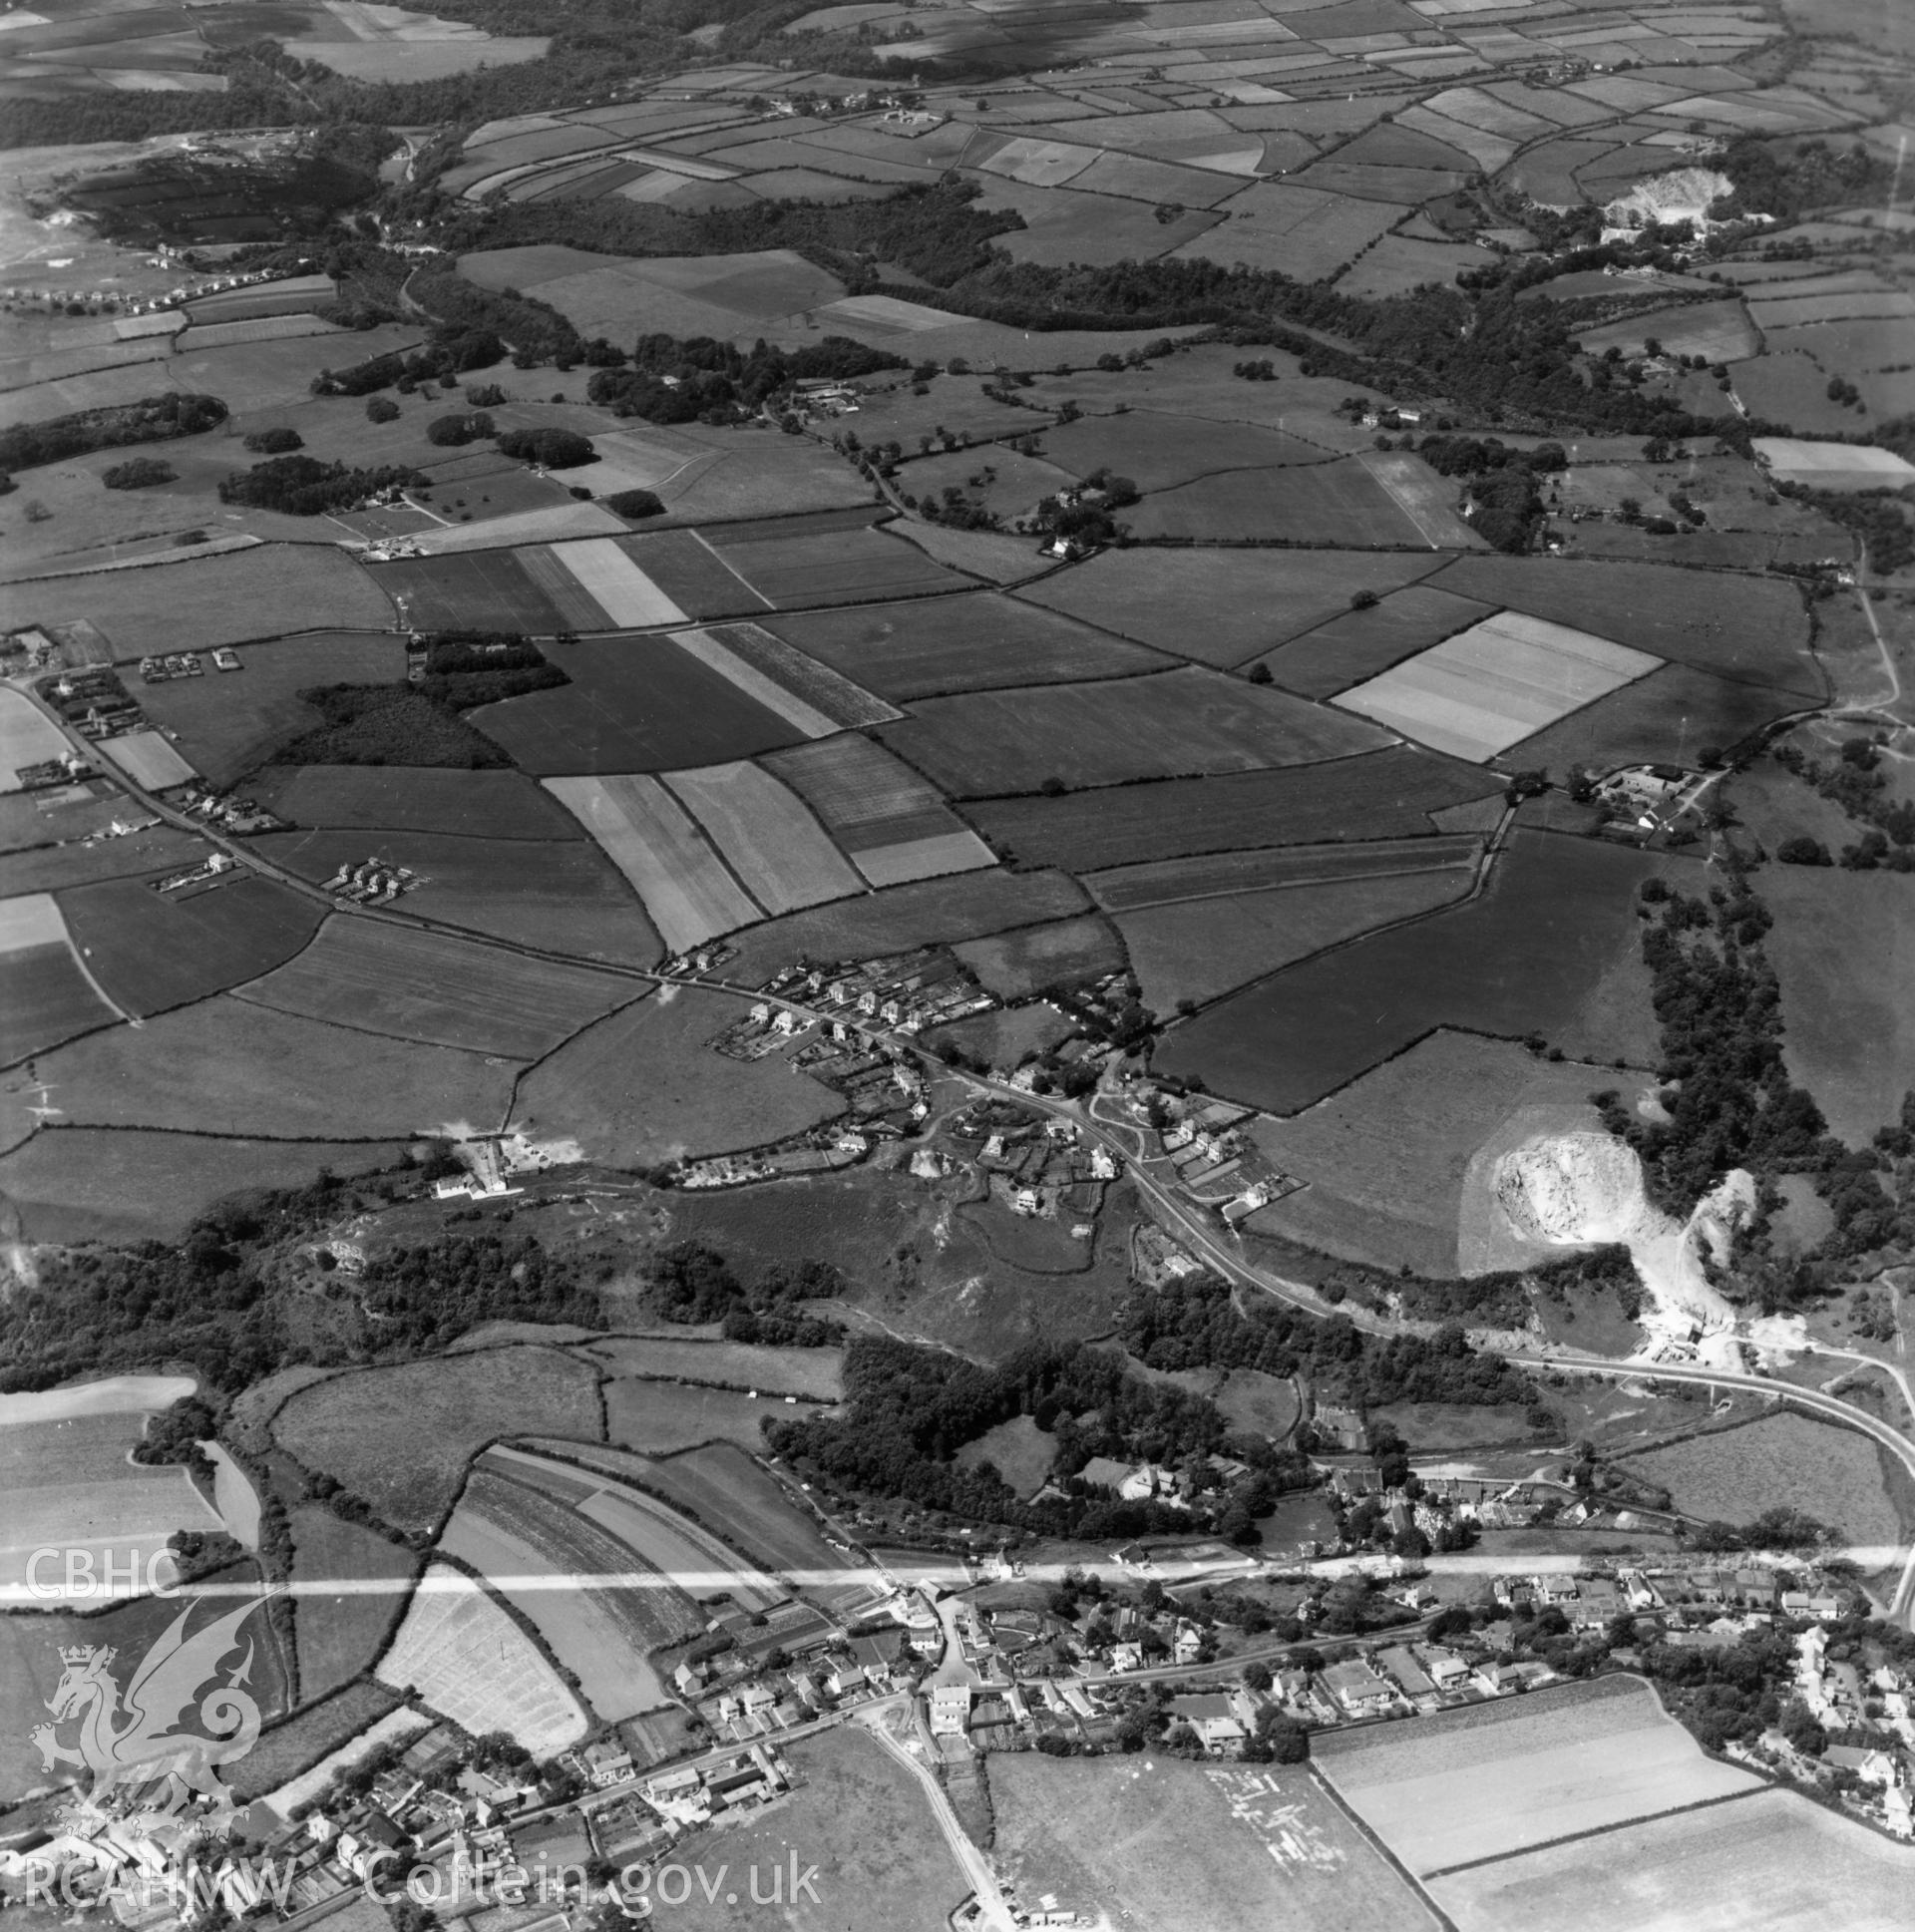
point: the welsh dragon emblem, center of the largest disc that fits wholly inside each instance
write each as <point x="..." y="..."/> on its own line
<point x="136" y="1738"/>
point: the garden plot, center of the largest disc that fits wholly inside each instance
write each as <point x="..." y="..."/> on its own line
<point x="771" y="842"/>
<point x="894" y="826"/>
<point x="1495" y="1778"/>
<point x="1496" y="683"/>
<point x="688" y="893"/>
<point x="471" y="1663"/>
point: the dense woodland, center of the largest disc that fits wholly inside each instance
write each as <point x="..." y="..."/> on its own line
<point x="26" y="446"/>
<point x="692" y="1283"/>
<point x="700" y="379"/>
<point x="304" y="485"/>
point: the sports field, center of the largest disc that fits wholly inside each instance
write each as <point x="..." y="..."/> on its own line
<point x="1496" y="683"/>
<point x="1158" y="1841"/>
<point x="1171" y="724"/>
<point x="151" y="951"/>
<point x="1489" y="1780"/>
<point x="772" y="844"/>
<point x="928" y="649"/>
<point x="643" y="1086"/>
<point x="1380" y="795"/>
<point x="689" y="891"/>
<point x="1524" y="957"/>
<point x="419" y="985"/>
<point x="895" y="827"/>
<point x="471" y="1662"/>
<point x="634" y="704"/>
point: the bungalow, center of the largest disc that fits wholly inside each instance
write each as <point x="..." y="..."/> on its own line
<point x="1359" y="1689"/>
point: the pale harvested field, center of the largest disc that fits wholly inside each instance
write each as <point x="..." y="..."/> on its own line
<point x="645" y="832"/>
<point x="1771" y="1862"/>
<point x="1785" y="1460"/>
<point x="1496" y="683"/>
<point x="715" y="652"/>
<point x="616" y="585"/>
<point x="772" y="842"/>
<point x="1492" y="1778"/>
<point x="469" y="1661"/>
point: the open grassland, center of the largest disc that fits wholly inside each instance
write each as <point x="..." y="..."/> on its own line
<point x="1263" y="1405"/>
<point x="1227" y="606"/>
<point x="374" y="798"/>
<point x="1199" y="948"/>
<point x="1786" y="1461"/>
<point x="634" y="704"/>
<point x="1523" y="957"/>
<point x="1066" y="952"/>
<point x="44" y="1000"/>
<point x="741" y="1365"/>
<point x="922" y="914"/>
<point x="643" y="1086"/>
<point x="861" y="1818"/>
<point x="1160" y="451"/>
<point x="926" y="650"/>
<point x="658" y="1417"/>
<point x="400" y="1438"/>
<point x="471" y="1662"/>
<point x="339" y="1636"/>
<point x="1360" y="643"/>
<point x="1130" y="887"/>
<point x="73" y="1184"/>
<point x="646" y="833"/>
<point x="1005" y="1036"/>
<point x="1382" y="795"/>
<point x="220" y="1068"/>
<point x="1737" y="626"/>
<point x="1018" y="1451"/>
<point x="1172" y="724"/>
<point x="1190" y="1847"/>
<point x="1490" y="1779"/>
<point x="151" y="950"/>
<point x="555" y="1567"/>
<point x="852" y="565"/>
<point x="1665" y="718"/>
<point x="419" y="985"/>
<point x="227" y="723"/>
<point x="562" y="896"/>
<point x="270" y="590"/>
<point x="1322" y="503"/>
<point x="1766" y="1863"/>
<point x="1841" y="946"/>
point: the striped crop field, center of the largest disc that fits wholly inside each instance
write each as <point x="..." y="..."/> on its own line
<point x="772" y="842"/>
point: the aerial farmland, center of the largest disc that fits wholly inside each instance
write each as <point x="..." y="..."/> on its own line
<point x="953" y="961"/>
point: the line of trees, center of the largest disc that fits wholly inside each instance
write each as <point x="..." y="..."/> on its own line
<point x="153" y="419"/>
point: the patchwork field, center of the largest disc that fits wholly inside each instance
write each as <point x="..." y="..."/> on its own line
<point x="1496" y="683"/>
<point x="1491" y="1779"/>
<point x="471" y="1662"/>
<point x="1361" y="643"/>
<point x="767" y="838"/>
<point x="895" y="827"/>
<point x="641" y="1086"/>
<point x="1524" y="957"/>
<point x="1171" y="724"/>
<point x="1189" y="1847"/>
<point x="448" y="993"/>
<point x="400" y="1438"/>
<point x="687" y="889"/>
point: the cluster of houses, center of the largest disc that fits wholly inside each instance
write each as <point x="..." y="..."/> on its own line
<point x="94" y="702"/>
<point x="373" y="881"/>
<point x="1036" y="1164"/>
<point x="1218" y="1163"/>
<point x="237" y="814"/>
<point x="902" y="992"/>
<point x="1875" y="1714"/>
